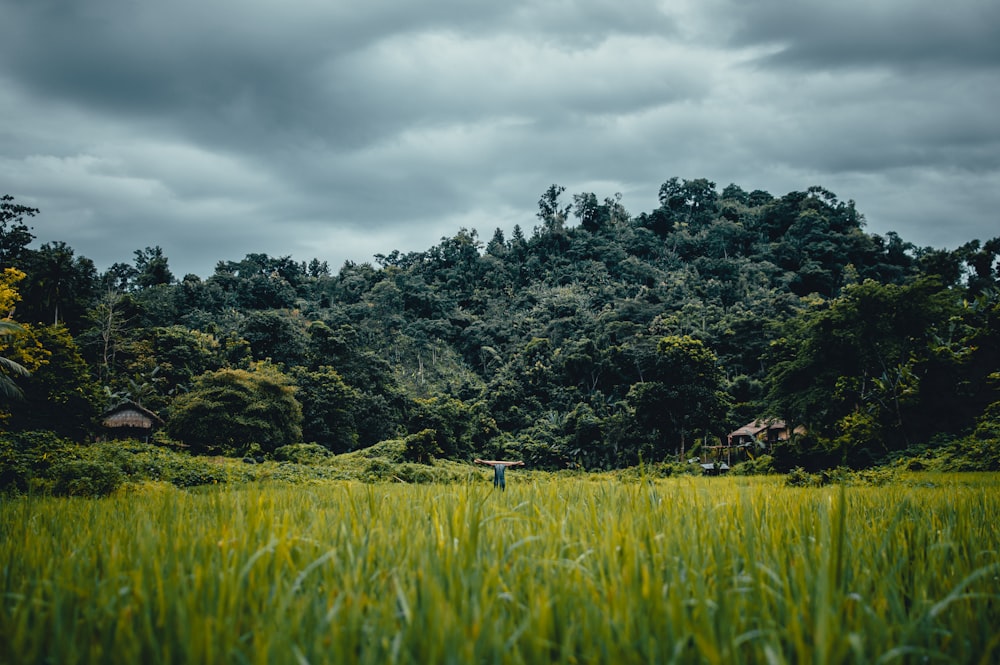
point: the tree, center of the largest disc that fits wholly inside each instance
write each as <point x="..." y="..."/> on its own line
<point x="15" y="235"/>
<point x="684" y="395"/>
<point x="9" y="296"/>
<point x="550" y="211"/>
<point x="9" y="368"/>
<point x="59" y="285"/>
<point x="691" y="202"/>
<point x="52" y="270"/>
<point x="328" y="407"/>
<point x="850" y="369"/>
<point x="276" y="335"/>
<point x="151" y="268"/>
<point x="228" y="410"/>
<point x="9" y="390"/>
<point x="60" y="395"/>
<point x="107" y="335"/>
<point x="497" y="246"/>
<point x="120" y="277"/>
<point x="591" y="214"/>
<point x="451" y="421"/>
<point x="156" y="364"/>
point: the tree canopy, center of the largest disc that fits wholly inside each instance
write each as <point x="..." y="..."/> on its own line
<point x="229" y="410"/>
<point x="601" y="338"/>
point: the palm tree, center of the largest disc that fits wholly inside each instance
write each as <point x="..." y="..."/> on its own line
<point x="8" y="367"/>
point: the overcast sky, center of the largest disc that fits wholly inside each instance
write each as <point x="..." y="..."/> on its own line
<point x="338" y="130"/>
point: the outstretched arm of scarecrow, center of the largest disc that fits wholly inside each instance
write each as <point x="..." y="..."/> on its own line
<point x="488" y="462"/>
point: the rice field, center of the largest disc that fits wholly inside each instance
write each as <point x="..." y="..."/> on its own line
<point x="554" y="570"/>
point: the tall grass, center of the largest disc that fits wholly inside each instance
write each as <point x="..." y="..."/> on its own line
<point x="569" y="570"/>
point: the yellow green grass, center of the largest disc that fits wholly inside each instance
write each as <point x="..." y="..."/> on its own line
<point x="555" y="570"/>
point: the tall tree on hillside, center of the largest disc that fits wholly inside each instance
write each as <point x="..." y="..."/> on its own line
<point x="328" y="407"/>
<point x="683" y="397"/>
<point x="690" y="203"/>
<point x="15" y="235"/>
<point x="551" y="212"/>
<point x="59" y="285"/>
<point x="106" y="336"/>
<point x="276" y="335"/>
<point x="152" y="268"/>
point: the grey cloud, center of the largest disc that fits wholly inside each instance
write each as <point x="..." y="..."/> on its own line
<point x="898" y="33"/>
<point x="306" y="127"/>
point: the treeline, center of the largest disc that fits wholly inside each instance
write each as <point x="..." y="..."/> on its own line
<point x="597" y="339"/>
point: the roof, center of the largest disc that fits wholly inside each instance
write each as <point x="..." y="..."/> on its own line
<point x="754" y="428"/>
<point x="130" y="414"/>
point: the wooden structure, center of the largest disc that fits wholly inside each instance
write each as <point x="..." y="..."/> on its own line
<point x="766" y="432"/>
<point x="714" y="468"/>
<point x="754" y="438"/>
<point x="129" y="420"/>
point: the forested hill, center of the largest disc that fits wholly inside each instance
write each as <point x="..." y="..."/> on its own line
<point x="596" y="338"/>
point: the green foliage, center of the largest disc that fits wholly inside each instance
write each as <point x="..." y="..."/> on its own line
<point x="877" y="477"/>
<point x="551" y="346"/>
<point x="449" y="420"/>
<point x="27" y="456"/>
<point x="152" y="268"/>
<point x="864" y="372"/>
<point x="979" y="451"/>
<point x="302" y="453"/>
<point x="86" y="478"/>
<point x="277" y="336"/>
<point x="684" y="396"/>
<point x="798" y="477"/>
<point x="655" y="470"/>
<point x="761" y="465"/>
<point x="59" y="285"/>
<point x="328" y="408"/>
<point x="15" y="234"/>
<point x="60" y="395"/>
<point x="422" y="447"/>
<point x="228" y="410"/>
<point x="10" y="368"/>
<point x="43" y="463"/>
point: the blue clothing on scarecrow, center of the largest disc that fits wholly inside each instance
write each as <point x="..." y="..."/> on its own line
<point x="499" y="467"/>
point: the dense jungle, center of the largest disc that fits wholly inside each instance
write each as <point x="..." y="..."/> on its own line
<point x="594" y="339"/>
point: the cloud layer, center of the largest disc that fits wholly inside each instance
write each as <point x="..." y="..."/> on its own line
<point x="318" y="129"/>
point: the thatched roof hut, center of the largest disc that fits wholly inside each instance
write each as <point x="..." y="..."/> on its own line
<point x="129" y="420"/>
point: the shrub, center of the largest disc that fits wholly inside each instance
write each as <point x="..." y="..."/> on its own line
<point x="759" y="466"/>
<point x="88" y="478"/>
<point x="877" y="477"/>
<point x="393" y="450"/>
<point x="29" y="456"/>
<point x="798" y="477"/>
<point x="184" y="471"/>
<point x="378" y="468"/>
<point x="302" y="453"/>
<point x="416" y="473"/>
<point x="542" y="454"/>
<point x="422" y="447"/>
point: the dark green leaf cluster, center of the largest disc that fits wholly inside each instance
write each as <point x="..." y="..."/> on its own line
<point x="599" y="340"/>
